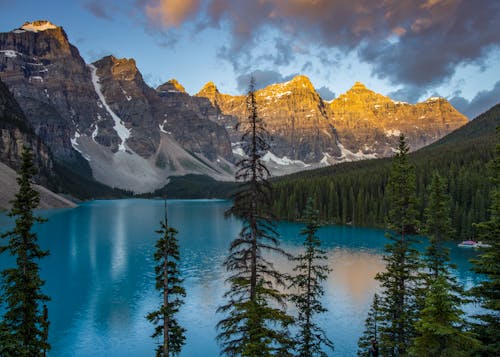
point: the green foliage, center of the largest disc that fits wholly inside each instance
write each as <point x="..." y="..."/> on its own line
<point x="255" y="321"/>
<point x="371" y="332"/>
<point x="440" y="328"/>
<point x="437" y="227"/>
<point x="308" y="281"/>
<point x="400" y="282"/>
<point x="488" y="263"/>
<point x="169" y="283"/>
<point x="194" y="187"/>
<point x="24" y="326"/>
<point x="355" y="192"/>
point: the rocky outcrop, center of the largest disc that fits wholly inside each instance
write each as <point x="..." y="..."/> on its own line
<point x="15" y="133"/>
<point x="371" y="123"/>
<point x="51" y="82"/>
<point x="359" y="124"/>
<point x="148" y="112"/>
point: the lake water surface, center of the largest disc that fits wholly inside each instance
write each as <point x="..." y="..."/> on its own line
<point x="100" y="274"/>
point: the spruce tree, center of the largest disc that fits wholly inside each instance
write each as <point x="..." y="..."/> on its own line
<point x="488" y="263"/>
<point x="398" y="300"/>
<point x="169" y="283"/>
<point x="441" y="329"/>
<point x="311" y="274"/>
<point x="255" y="321"/>
<point x="437" y="228"/>
<point x="371" y="332"/>
<point x="24" y="325"/>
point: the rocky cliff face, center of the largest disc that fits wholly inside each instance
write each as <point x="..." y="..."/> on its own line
<point x="50" y="81"/>
<point x="359" y="124"/>
<point x="371" y="123"/>
<point x="15" y="133"/>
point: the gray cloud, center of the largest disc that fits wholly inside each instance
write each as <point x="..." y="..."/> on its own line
<point x="483" y="101"/>
<point x="414" y="43"/>
<point x="98" y="9"/>
<point x="262" y="78"/>
<point x="428" y="53"/>
<point x="410" y="94"/>
<point x="283" y="54"/>
<point x="325" y="93"/>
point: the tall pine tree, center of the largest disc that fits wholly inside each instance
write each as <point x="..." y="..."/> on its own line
<point x="255" y="321"/>
<point x="398" y="301"/>
<point x="169" y="283"/>
<point x="488" y="263"/>
<point x="311" y="274"/>
<point x="441" y="329"/>
<point x="371" y="332"/>
<point x="438" y="229"/>
<point x="24" y="326"/>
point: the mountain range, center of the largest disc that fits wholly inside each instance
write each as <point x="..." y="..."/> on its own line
<point x="104" y="122"/>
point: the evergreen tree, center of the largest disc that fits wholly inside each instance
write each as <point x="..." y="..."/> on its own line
<point x="371" y="332"/>
<point x="256" y="321"/>
<point x="398" y="300"/>
<point x="441" y="327"/>
<point x="488" y="263"/>
<point x="437" y="228"/>
<point x="24" y="326"/>
<point x="169" y="283"/>
<point x="308" y="281"/>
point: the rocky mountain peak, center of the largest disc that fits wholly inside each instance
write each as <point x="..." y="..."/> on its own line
<point x="120" y="68"/>
<point x="295" y="85"/>
<point x="38" y="26"/>
<point x="210" y="92"/>
<point x="41" y="39"/>
<point x="358" y="86"/>
<point x="358" y="97"/>
<point x="300" y="81"/>
<point x="208" y="89"/>
<point x="171" y="86"/>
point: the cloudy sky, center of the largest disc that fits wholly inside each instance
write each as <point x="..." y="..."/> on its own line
<point x="407" y="49"/>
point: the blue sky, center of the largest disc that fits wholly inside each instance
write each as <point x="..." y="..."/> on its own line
<point x="407" y="49"/>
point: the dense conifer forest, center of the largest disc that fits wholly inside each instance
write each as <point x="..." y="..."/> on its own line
<point x="355" y="193"/>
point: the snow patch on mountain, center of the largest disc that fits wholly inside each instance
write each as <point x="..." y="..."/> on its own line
<point x="347" y="155"/>
<point x="394" y="132"/>
<point x="325" y="160"/>
<point x="10" y="53"/>
<point x="120" y="128"/>
<point x="38" y="26"/>
<point x="285" y="161"/>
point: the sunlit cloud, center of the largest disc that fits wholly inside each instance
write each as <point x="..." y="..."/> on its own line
<point x="171" y="13"/>
<point x="413" y="43"/>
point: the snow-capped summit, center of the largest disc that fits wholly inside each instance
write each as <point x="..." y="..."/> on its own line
<point x="39" y="25"/>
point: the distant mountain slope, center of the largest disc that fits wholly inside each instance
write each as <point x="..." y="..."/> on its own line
<point x="479" y="129"/>
<point x="48" y="199"/>
<point x="308" y="132"/>
<point x="354" y="192"/>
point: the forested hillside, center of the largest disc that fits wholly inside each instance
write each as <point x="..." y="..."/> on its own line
<point x="354" y="193"/>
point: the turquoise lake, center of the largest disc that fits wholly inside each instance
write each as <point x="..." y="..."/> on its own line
<point x="100" y="274"/>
